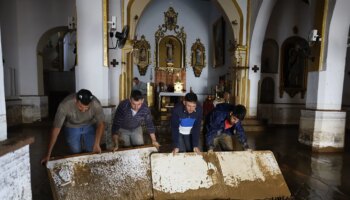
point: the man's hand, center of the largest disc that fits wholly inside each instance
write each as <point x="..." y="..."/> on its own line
<point x="96" y="148"/>
<point x="156" y="145"/>
<point x="116" y="146"/>
<point x="210" y="151"/>
<point x="115" y="140"/>
<point x="197" y="151"/>
<point x="175" y="151"/>
<point x="45" y="159"/>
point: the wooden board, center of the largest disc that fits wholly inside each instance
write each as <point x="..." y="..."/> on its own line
<point x="113" y="175"/>
<point x="220" y="175"/>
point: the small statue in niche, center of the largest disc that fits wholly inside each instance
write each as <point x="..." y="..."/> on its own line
<point x="143" y="55"/>
<point x="170" y="52"/>
<point x="198" y="57"/>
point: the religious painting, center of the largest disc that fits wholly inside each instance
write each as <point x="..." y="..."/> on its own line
<point x="295" y="52"/>
<point x="219" y="42"/>
<point x="141" y="54"/>
<point x="198" y="57"/>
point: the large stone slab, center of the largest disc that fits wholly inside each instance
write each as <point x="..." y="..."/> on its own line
<point x="119" y="175"/>
<point x="220" y="175"/>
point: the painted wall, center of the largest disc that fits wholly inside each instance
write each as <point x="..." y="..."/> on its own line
<point x="197" y="18"/>
<point x="23" y="23"/>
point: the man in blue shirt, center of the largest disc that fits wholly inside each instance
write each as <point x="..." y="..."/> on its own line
<point x="126" y="128"/>
<point x="186" y="122"/>
<point x="221" y="124"/>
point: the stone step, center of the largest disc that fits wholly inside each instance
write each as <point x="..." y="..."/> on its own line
<point x="253" y="125"/>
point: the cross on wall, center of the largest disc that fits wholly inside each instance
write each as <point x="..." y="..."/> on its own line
<point x="255" y="68"/>
<point x="114" y="62"/>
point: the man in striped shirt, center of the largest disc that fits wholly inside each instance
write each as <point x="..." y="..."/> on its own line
<point x="126" y="128"/>
<point x="185" y="122"/>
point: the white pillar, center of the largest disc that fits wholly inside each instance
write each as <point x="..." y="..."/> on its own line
<point x="255" y="53"/>
<point x="322" y="124"/>
<point x="3" y="124"/>
<point x="90" y="72"/>
<point x="115" y="9"/>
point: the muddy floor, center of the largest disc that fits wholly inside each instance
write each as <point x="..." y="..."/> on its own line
<point x="308" y="175"/>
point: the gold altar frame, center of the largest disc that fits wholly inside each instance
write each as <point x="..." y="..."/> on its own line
<point x="178" y="41"/>
<point x="142" y="55"/>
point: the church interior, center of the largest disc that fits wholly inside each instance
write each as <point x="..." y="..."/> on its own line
<point x="280" y="59"/>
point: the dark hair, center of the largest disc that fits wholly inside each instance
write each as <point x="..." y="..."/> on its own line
<point x="136" y="95"/>
<point x="239" y="111"/>
<point x="191" y="97"/>
<point x="136" y="79"/>
<point x="84" y="96"/>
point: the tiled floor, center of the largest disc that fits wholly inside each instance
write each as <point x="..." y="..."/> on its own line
<point x="308" y="175"/>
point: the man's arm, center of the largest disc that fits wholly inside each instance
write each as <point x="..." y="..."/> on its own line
<point x="99" y="132"/>
<point x="174" y="123"/>
<point x="116" y="125"/>
<point x="150" y="128"/>
<point x="240" y="134"/>
<point x="53" y="139"/>
<point x="196" y="129"/>
<point x="117" y="119"/>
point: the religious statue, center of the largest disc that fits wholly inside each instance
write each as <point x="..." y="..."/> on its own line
<point x="169" y="50"/>
<point x="296" y="66"/>
<point x="198" y="57"/>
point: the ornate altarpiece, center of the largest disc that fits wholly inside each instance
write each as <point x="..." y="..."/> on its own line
<point x="170" y="52"/>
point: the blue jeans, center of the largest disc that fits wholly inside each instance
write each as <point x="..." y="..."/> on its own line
<point x="185" y="143"/>
<point x="80" y="139"/>
<point x="132" y="137"/>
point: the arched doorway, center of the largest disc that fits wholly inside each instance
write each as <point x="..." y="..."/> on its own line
<point x="56" y="61"/>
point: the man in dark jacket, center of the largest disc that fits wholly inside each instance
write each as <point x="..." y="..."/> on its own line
<point x="221" y="124"/>
<point x="126" y="128"/>
<point x="186" y="122"/>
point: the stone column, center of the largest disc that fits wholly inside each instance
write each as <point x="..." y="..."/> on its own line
<point x="322" y="123"/>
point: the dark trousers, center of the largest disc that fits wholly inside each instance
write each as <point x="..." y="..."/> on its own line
<point x="185" y="143"/>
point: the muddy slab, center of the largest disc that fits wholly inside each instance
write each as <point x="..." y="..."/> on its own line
<point x="112" y="175"/>
<point x="219" y="175"/>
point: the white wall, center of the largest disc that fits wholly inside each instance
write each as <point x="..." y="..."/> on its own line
<point x="3" y="124"/>
<point x="346" y="90"/>
<point x="8" y="16"/>
<point x="114" y="72"/>
<point x="255" y="52"/>
<point x="23" y="23"/>
<point x="90" y="72"/>
<point x="196" y="17"/>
